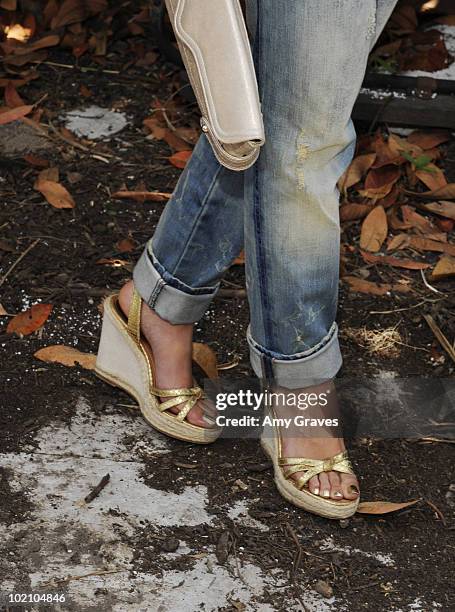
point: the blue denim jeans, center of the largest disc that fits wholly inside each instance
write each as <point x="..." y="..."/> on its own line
<point x="310" y="58"/>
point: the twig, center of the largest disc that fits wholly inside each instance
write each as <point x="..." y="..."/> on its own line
<point x="69" y="578"/>
<point x="440" y="336"/>
<point x="72" y="143"/>
<point x="397" y="309"/>
<point x="27" y="250"/>
<point x="231" y="293"/>
<point x="298" y="553"/>
<point x="81" y="68"/>
<point x="427" y="284"/>
<point x="97" y="490"/>
<point x="437" y="511"/>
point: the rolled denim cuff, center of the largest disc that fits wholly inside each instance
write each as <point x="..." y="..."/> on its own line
<point x="312" y="367"/>
<point x="169" y="297"/>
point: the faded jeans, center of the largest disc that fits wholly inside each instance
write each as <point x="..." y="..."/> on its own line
<point x="310" y="58"/>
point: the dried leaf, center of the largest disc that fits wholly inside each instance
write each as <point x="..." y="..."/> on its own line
<point x="443" y="193"/>
<point x="383" y="507"/>
<point x="356" y="171"/>
<point x="49" y="174"/>
<point x="206" y="359"/>
<point x="431" y="176"/>
<point x="374" y="230"/>
<point x="47" y="41"/>
<point x="56" y="194"/>
<point x="66" y="355"/>
<point x="413" y="219"/>
<point x="379" y="182"/>
<point x="351" y="211"/>
<point x="445" y="209"/>
<point x="389" y="260"/>
<point x="422" y="243"/>
<point x="2" y="311"/>
<point x="180" y="159"/>
<point x="142" y="196"/>
<point x="428" y="140"/>
<point x="8" y="5"/>
<point x="240" y="260"/>
<point x="445" y="268"/>
<point x="14" y="114"/>
<point x="363" y="286"/>
<point x="30" y="320"/>
<point x="126" y="245"/>
<point x="12" y="98"/>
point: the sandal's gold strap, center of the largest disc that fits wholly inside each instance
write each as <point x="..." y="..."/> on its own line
<point x="187" y="396"/>
<point x="313" y="467"/>
<point x="134" y="316"/>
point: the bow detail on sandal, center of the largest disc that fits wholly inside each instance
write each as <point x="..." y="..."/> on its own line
<point x="313" y="467"/>
<point x="187" y="396"/>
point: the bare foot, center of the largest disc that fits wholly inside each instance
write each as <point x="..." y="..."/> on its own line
<point x="172" y="352"/>
<point x="317" y="443"/>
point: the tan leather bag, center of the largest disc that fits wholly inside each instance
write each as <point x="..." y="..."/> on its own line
<point x="214" y="45"/>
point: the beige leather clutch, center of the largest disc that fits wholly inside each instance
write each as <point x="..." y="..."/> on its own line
<point x="213" y="41"/>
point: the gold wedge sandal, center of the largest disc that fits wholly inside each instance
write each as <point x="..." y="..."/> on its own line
<point x="294" y="490"/>
<point x="125" y="360"/>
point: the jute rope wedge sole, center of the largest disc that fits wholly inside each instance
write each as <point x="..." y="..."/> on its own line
<point x="125" y="360"/>
<point x="293" y="490"/>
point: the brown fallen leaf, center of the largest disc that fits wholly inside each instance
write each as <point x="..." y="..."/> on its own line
<point x="240" y="260"/>
<point x="56" y="194"/>
<point x="427" y="140"/>
<point x="413" y="219"/>
<point x="13" y="114"/>
<point x="383" y="507"/>
<point x="445" y="268"/>
<point x="443" y="193"/>
<point x="12" y="98"/>
<point x="206" y="359"/>
<point x="432" y="177"/>
<point x="387" y="154"/>
<point x="142" y="196"/>
<point x="438" y="244"/>
<point x="126" y="245"/>
<point x="66" y="355"/>
<point x="356" y="171"/>
<point x="8" y="5"/>
<point x="179" y="159"/>
<point x="374" y="230"/>
<point x="379" y="182"/>
<point x="363" y="286"/>
<point x="445" y="209"/>
<point x="49" y="174"/>
<point x="35" y="160"/>
<point x="395" y="262"/>
<point x="29" y="320"/>
<point x="2" y="311"/>
<point x="352" y="211"/>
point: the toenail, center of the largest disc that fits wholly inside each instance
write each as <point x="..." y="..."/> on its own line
<point x="354" y="489"/>
<point x="338" y="494"/>
<point x="316" y="491"/>
<point x="326" y="493"/>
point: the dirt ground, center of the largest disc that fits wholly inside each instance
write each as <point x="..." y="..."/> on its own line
<point x="402" y="561"/>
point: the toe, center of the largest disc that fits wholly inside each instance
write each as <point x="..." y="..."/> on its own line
<point x="324" y="483"/>
<point x="313" y="485"/>
<point x="350" y="486"/>
<point x="335" y="485"/>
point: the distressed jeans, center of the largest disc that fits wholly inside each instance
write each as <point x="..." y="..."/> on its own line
<point x="310" y="58"/>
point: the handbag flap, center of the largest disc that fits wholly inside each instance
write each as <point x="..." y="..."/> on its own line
<point x="215" y="33"/>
